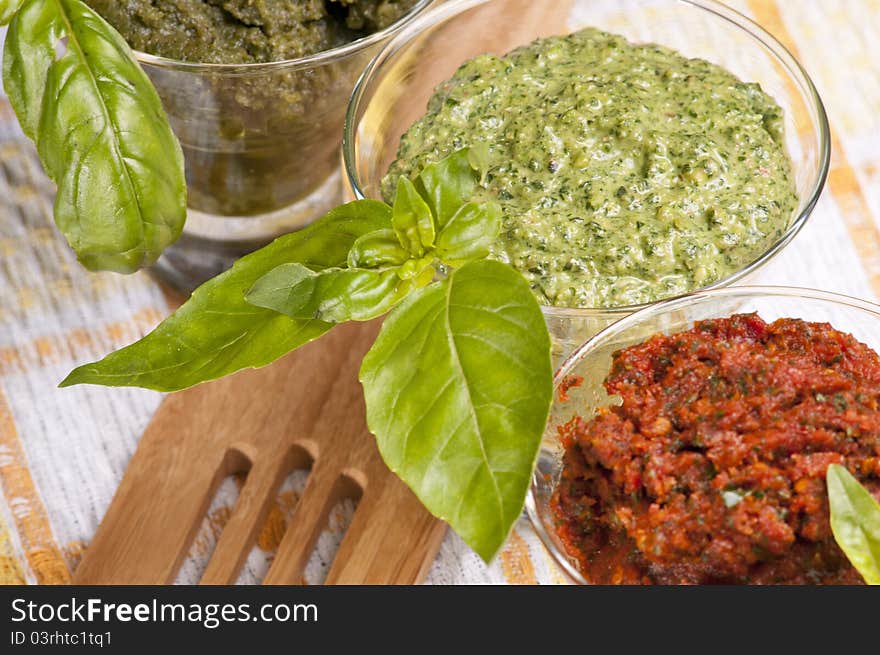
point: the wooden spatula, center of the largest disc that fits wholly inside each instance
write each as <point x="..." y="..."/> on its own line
<point x="305" y="410"/>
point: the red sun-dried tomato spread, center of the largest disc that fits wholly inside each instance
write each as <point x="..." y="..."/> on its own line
<point x="712" y="470"/>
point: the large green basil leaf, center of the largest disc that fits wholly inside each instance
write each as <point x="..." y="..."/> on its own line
<point x="217" y="332"/>
<point x="100" y="131"/>
<point x="334" y="294"/>
<point x="8" y="9"/>
<point x="469" y="233"/>
<point x="377" y="249"/>
<point x="412" y="219"/>
<point x="855" y="522"/>
<point x="447" y="185"/>
<point x="458" y="387"/>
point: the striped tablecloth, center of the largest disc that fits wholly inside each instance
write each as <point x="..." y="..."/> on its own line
<point x="62" y="453"/>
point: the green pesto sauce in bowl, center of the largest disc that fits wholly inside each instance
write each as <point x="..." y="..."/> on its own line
<point x="626" y="173"/>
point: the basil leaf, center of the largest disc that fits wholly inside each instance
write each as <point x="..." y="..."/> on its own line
<point x="412" y="219"/>
<point x="422" y="270"/>
<point x="377" y="249"/>
<point x="478" y="158"/>
<point x="469" y="233"/>
<point x="217" y="332"/>
<point x="855" y="522"/>
<point x="101" y="134"/>
<point x="458" y="387"/>
<point x="8" y="9"/>
<point x="334" y="294"/>
<point x="447" y="185"/>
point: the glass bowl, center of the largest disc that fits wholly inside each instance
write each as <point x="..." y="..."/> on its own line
<point x="261" y="145"/>
<point x="394" y="90"/>
<point x="592" y="361"/>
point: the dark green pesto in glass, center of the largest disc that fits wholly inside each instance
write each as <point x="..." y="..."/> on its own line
<point x="627" y="173"/>
<point x="255" y="142"/>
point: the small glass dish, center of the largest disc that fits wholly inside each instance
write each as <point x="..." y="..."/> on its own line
<point x="394" y="91"/>
<point x="592" y="361"/>
<point x="261" y="146"/>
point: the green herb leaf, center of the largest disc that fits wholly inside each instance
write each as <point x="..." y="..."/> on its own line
<point x="334" y="294"/>
<point x="100" y="132"/>
<point x="412" y="219"/>
<point x="469" y="233"/>
<point x="421" y="271"/>
<point x="217" y="332"/>
<point x="377" y="249"/>
<point x="478" y="158"/>
<point x="855" y="522"/>
<point x="8" y="9"/>
<point x="458" y="387"/>
<point x="447" y="185"/>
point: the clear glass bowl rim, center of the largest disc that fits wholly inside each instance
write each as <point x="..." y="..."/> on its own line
<point x="453" y="8"/>
<point x="646" y="314"/>
<point x="287" y="65"/>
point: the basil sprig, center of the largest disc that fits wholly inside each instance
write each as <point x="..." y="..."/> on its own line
<point x="385" y="266"/>
<point x="100" y="132"/>
<point x="458" y="384"/>
<point x="855" y="522"/>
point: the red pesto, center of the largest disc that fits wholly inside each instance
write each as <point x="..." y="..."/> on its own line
<point x="713" y="468"/>
<point x="567" y="384"/>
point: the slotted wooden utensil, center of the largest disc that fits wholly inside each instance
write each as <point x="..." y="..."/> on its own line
<point x="306" y="410"/>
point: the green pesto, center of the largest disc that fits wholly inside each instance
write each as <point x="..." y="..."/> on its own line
<point x="626" y="173"/>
